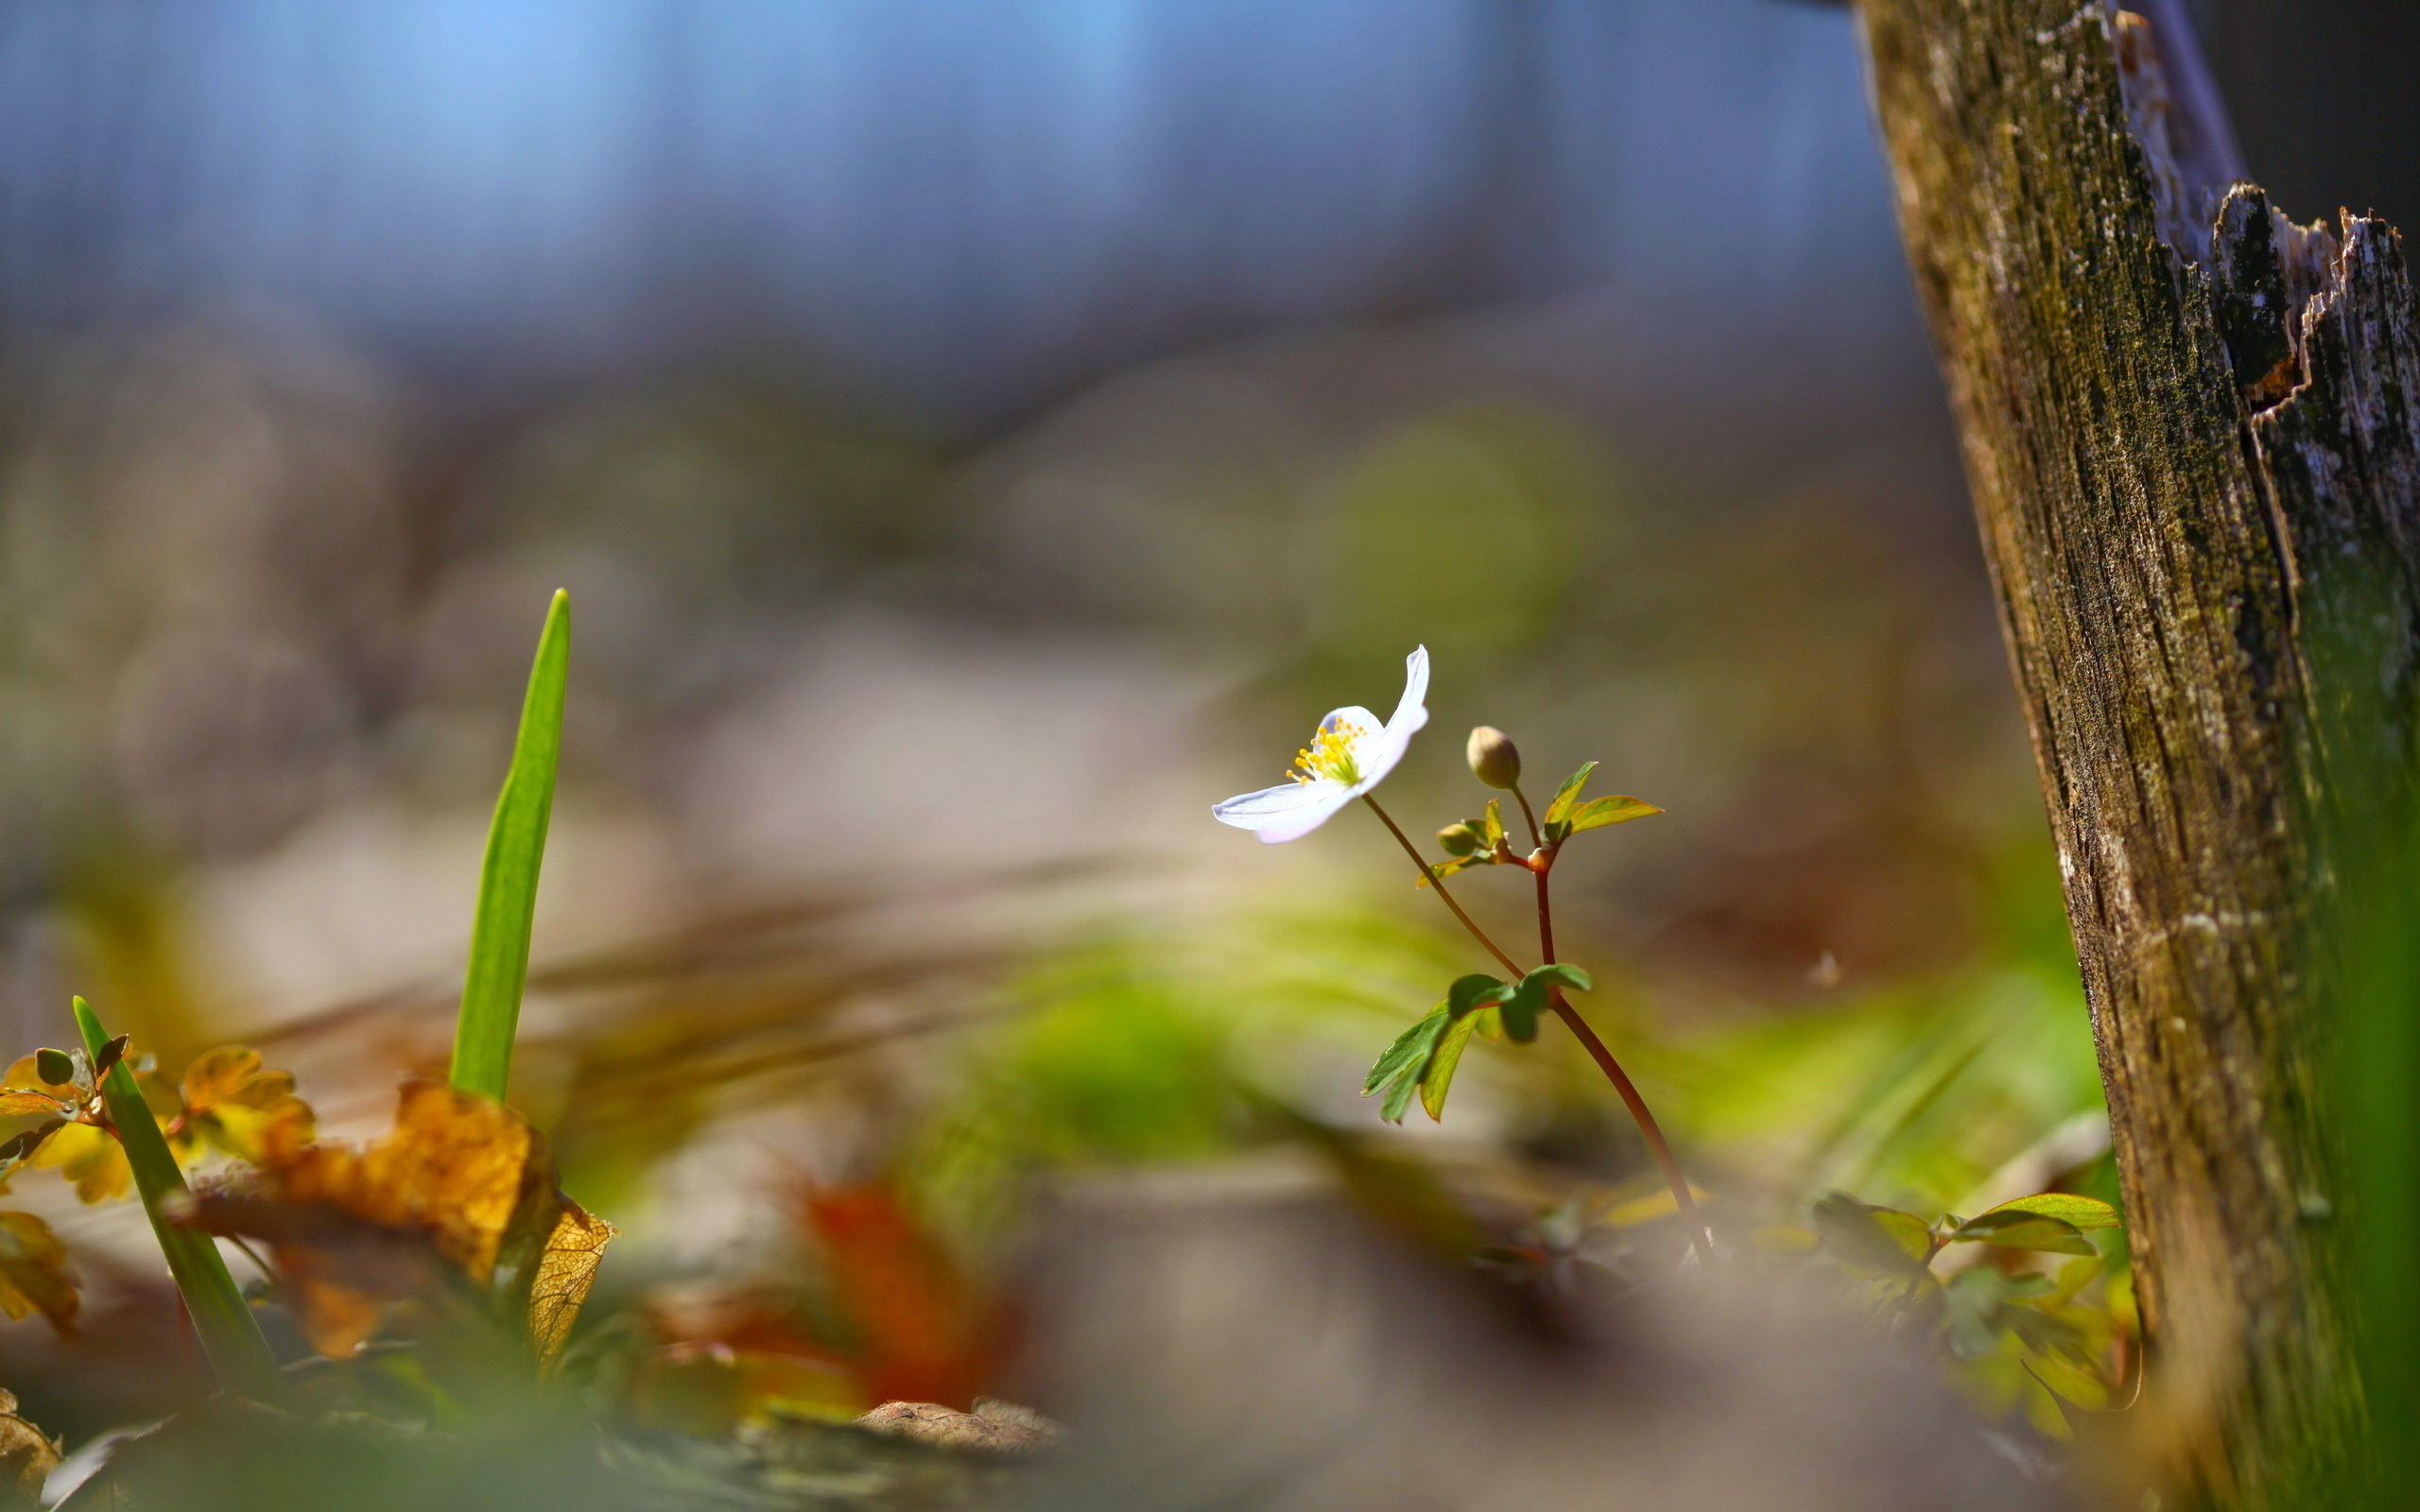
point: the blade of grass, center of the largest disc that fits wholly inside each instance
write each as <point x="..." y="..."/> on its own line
<point x="231" y="1336"/>
<point x="508" y="880"/>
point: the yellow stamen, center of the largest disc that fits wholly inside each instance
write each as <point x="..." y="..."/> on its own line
<point x="1330" y="754"/>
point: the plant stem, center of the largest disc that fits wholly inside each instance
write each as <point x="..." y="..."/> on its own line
<point x="1700" y="1235"/>
<point x="231" y="1336"/>
<point x="1537" y="836"/>
<point x="1438" y="883"/>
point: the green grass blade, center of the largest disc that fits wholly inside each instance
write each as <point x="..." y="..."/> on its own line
<point x="508" y="880"/>
<point x="231" y="1336"/>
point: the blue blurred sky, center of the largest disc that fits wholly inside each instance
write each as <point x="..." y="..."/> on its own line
<point x="969" y="206"/>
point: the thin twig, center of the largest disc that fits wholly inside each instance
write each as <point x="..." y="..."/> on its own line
<point x="1438" y="883"/>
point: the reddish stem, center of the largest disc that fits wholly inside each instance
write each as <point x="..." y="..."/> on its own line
<point x="1652" y="1132"/>
<point x="1439" y="882"/>
<point x="1700" y="1235"/>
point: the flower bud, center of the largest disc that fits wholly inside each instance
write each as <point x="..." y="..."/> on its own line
<point x="1458" y="839"/>
<point x="1493" y="758"/>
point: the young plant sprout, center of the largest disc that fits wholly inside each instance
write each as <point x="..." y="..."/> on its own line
<point x="1350" y="754"/>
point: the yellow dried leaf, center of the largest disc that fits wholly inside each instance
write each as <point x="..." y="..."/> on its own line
<point x="353" y="1230"/>
<point x="14" y="1102"/>
<point x="242" y="1109"/>
<point x="34" y="1276"/>
<point x="89" y="1157"/>
<point x="566" y="1269"/>
<point x="26" y="1456"/>
<point x="452" y="1169"/>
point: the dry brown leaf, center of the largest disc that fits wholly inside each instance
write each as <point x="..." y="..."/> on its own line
<point x="566" y="1269"/>
<point x="26" y="1456"/>
<point x="34" y="1276"/>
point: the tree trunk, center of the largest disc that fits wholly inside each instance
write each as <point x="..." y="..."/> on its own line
<point x="2191" y="436"/>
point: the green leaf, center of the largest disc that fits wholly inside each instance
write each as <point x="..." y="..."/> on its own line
<point x="55" y="1067"/>
<point x="1520" y="1011"/>
<point x="508" y="878"/>
<point x="1491" y="824"/>
<point x="1568" y="796"/>
<point x="1856" y="1236"/>
<point x="1474" y="992"/>
<point x="1523" y="1005"/>
<point x="2074" y="1385"/>
<point x="2081" y="1212"/>
<point x="1907" y="1231"/>
<point x="1447" y="868"/>
<point x="231" y="1336"/>
<point x="1400" y="1092"/>
<point x="1409" y="1049"/>
<point x="1439" y="1074"/>
<point x="2013" y="1229"/>
<point x="1561" y="973"/>
<point x="1612" y="809"/>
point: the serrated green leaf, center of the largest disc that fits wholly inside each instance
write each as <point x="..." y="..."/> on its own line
<point x="1408" y="1050"/>
<point x="2080" y="1212"/>
<point x="2016" y="1228"/>
<point x="1439" y="1074"/>
<point x="1566" y="797"/>
<point x="1854" y="1234"/>
<point x="491" y="1012"/>
<point x="1612" y="809"/>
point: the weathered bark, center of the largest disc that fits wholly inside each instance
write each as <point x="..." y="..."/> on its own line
<point x="2191" y="436"/>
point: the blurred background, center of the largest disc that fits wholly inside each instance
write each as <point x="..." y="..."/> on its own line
<point x="977" y="438"/>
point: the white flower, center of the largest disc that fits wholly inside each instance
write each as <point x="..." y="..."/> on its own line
<point x="1349" y="756"/>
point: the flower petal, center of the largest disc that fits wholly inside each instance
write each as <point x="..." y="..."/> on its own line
<point x="1414" y="703"/>
<point x="1375" y="754"/>
<point x="1286" y="812"/>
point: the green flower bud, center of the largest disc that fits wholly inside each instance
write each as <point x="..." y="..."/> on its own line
<point x="1493" y="758"/>
<point x="1458" y="839"/>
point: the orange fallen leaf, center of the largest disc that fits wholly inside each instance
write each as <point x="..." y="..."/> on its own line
<point x="925" y="1333"/>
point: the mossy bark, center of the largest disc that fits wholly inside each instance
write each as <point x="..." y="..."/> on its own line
<point x="2190" y="432"/>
